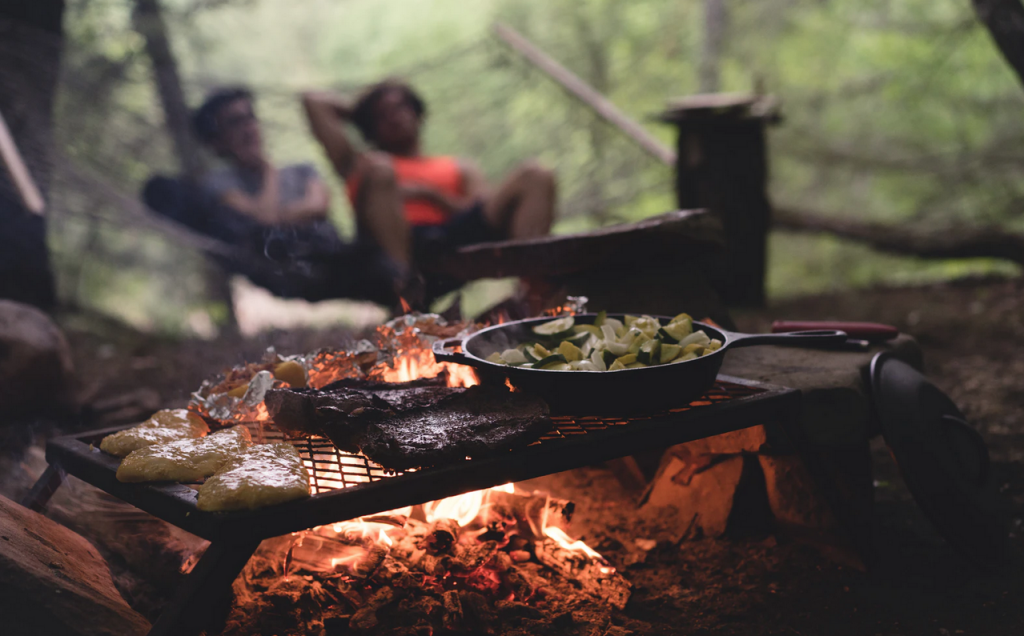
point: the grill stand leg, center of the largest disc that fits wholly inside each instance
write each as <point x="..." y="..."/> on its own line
<point x="204" y="588"/>
<point x="45" y="486"/>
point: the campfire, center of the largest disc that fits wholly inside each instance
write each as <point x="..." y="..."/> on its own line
<point x="465" y="564"/>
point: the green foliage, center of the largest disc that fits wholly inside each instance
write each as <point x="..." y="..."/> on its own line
<point x="896" y="111"/>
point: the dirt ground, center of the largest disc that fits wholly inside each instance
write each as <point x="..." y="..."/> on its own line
<point x="972" y="333"/>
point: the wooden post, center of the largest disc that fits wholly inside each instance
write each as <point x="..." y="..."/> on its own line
<point x="723" y="166"/>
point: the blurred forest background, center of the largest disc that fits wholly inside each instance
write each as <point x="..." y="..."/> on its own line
<point x="896" y="111"/>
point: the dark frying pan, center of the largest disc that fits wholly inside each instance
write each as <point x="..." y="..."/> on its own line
<point x="610" y="392"/>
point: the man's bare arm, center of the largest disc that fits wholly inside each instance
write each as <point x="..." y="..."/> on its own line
<point x="327" y="114"/>
<point x="265" y="206"/>
<point x="312" y="206"/>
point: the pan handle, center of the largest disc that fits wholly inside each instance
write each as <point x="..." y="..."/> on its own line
<point x="441" y="353"/>
<point x="816" y="338"/>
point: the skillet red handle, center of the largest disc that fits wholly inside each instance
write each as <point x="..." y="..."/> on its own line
<point x="870" y="331"/>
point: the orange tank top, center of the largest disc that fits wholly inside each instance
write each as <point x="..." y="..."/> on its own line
<point x="441" y="173"/>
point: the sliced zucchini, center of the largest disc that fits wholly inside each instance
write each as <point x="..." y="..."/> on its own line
<point x="629" y="320"/>
<point x="649" y="352"/>
<point x="629" y="358"/>
<point x="600" y="318"/>
<point x="535" y="352"/>
<point x="558" y="328"/>
<point x="551" y="359"/>
<point x="683" y="316"/>
<point x="685" y="357"/>
<point x="571" y="352"/>
<point x="678" y="330"/>
<point x="639" y="341"/>
<point x="669" y="352"/>
<point x="615" y="366"/>
<point x="608" y="357"/>
<point x="636" y="365"/>
<point x="578" y="339"/>
<point x="591" y="329"/>
<point x="495" y="358"/>
<point x="697" y="337"/>
<point x="514" y="357"/>
<point x="715" y="344"/>
<point x="693" y="348"/>
<point x="666" y="336"/>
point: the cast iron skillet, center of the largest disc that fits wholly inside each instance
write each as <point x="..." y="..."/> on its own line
<point x="610" y="392"/>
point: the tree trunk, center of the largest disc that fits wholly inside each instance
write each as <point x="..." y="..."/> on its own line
<point x="945" y="243"/>
<point x="149" y="22"/>
<point x="30" y="49"/>
<point x="1005" y="22"/>
<point x="711" y="46"/>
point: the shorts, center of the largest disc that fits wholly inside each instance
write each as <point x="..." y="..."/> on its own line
<point x="465" y="228"/>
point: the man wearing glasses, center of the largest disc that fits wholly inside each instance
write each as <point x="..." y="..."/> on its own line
<point x="249" y="183"/>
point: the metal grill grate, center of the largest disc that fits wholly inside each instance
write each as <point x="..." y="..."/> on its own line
<point x="332" y="469"/>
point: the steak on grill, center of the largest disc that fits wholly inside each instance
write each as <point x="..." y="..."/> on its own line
<point x="412" y="424"/>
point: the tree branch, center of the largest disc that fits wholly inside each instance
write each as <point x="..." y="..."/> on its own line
<point x="959" y="242"/>
<point x="1005" y="22"/>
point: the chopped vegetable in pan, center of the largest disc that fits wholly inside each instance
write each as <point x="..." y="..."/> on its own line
<point x="609" y="344"/>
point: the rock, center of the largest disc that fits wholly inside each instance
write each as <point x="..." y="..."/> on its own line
<point x="836" y="408"/>
<point x="793" y="495"/>
<point x="36" y="371"/>
<point x="52" y="581"/>
<point x="702" y="492"/>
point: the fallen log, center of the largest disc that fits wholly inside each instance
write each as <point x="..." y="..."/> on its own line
<point x="956" y="242"/>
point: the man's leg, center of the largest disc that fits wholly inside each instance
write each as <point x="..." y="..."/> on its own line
<point x="523" y="206"/>
<point x="379" y="211"/>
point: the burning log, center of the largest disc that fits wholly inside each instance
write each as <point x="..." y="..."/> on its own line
<point x="443" y="535"/>
<point x="471" y="557"/>
<point x="453" y="617"/>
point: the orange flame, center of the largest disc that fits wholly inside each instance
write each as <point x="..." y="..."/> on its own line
<point x="562" y="539"/>
<point x="462" y="508"/>
<point x="414" y="364"/>
<point x="406" y="307"/>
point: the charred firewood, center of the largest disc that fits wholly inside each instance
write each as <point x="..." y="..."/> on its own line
<point x="452" y="619"/>
<point x="514" y="609"/>
<point x="470" y="557"/>
<point x="442" y="536"/>
<point x="420" y="608"/>
<point x="365" y="617"/>
<point x="436" y="565"/>
<point x="514" y="580"/>
<point x="479" y="617"/>
<point x="500" y="562"/>
<point x="345" y="591"/>
<point x="366" y="567"/>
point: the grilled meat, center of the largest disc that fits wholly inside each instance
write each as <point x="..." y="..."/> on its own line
<point x="410" y="425"/>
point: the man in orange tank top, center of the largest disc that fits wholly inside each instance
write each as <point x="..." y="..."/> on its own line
<point x="414" y="205"/>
